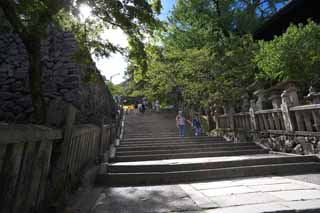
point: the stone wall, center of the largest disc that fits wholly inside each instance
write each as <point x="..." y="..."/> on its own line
<point x="64" y="81"/>
<point x="296" y="144"/>
<point x="15" y="99"/>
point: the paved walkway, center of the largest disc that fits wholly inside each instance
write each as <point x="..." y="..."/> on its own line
<point x="248" y="195"/>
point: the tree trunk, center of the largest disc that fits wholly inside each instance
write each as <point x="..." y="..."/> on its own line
<point x="211" y="123"/>
<point x="35" y="76"/>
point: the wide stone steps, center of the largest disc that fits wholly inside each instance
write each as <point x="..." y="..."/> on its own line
<point x="124" y="174"/>
<point x="151" y="153"/>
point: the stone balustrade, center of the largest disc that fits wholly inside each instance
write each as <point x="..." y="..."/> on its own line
<point x="242" y="120"/>
<point x="288" y="127"/>
<point x="306" y="118"/>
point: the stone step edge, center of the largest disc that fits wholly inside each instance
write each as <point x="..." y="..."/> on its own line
<point x="176" y="143"/>
<point x="160" y="178"/>
<point x="188" y="155"/>
<point x="183" y="146"/>
<point x="166" y="138"/>
<point x="146" y="152"/>
<point x="215" y="164"/>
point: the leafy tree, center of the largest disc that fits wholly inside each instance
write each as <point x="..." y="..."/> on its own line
<point x="295" y="55"/>
<point x="30" y="19"/>
<point x="206" y="51"/>
<point x="116" y="89"/>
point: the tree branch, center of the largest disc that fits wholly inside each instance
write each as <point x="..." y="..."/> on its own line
<point x="9" y="9"/>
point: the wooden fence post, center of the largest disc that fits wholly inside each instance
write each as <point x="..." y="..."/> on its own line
<point x="66" y="143"/>
<point x="102" y="141"/>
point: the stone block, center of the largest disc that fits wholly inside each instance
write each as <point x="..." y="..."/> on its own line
<point x="244" y="199"/>
<point x="5" y="95"/>
<point x="228" y="191"/>
<point x="304" y="205"/>
<point x="292" y="195"/>
<point x="72" y="79"/>
<point x="256" y="208"/>
<point x="24" y="101"/>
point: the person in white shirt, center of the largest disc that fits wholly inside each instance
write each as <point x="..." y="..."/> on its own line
<point x="140" y="107"/>
<point x="180" y="122"/>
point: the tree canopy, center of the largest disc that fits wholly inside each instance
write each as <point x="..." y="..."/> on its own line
<point x="206" y="52"/>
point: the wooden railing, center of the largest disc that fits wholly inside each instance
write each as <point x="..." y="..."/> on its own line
<point x="25" y="156"/>
<point x="38" y="163"/>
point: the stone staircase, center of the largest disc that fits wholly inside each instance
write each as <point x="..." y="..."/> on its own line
<point x="151" y="154"/>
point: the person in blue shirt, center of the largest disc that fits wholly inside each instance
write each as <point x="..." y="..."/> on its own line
<point x="196" y="125"/>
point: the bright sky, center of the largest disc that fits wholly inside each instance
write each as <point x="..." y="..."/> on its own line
<point x="116" y="64"/>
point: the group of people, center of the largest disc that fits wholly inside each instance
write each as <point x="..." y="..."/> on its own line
<point x="141" y="107"/>
<point x="194" y="122"/>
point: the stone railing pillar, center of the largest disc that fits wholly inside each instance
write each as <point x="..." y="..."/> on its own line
<point x="230" y="113"/>
<point x="285" y="105"/>
<point x="260" y="104"/>
<point x="275" y="99"/>
<point x="313" y="96"/>
<point x="289" y="98"/>
<point x="216" y="119"/>
<point x="245" y="103"/>
<point x="291" y="91"/>
<point x="252" y="110"/>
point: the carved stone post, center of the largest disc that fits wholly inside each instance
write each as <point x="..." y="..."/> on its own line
<point x="252" y="110"/>
<point x="261" y="99"/>
<point x="245" y="103"/>
<point x="275" y="99"/>
<point x="215" y="117"/>
<point x="230" y="113"/>
<point x="291" y="91"/>
<point x="286" y="104"/>
<point x="313" y="96"/>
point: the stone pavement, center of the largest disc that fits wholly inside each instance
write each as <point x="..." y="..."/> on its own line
<point x="247" y="195"/>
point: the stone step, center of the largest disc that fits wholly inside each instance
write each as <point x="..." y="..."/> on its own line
<point x="188" y="155"/>
<point x="132" y="136"/>
<point x="206" y="163"/>
<point x="158" y="178"/>
<point x="168" y="139"/>
<point x="175" y="143"/>
<point x="186" y="150"/>
<point x="176" y="146"/>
